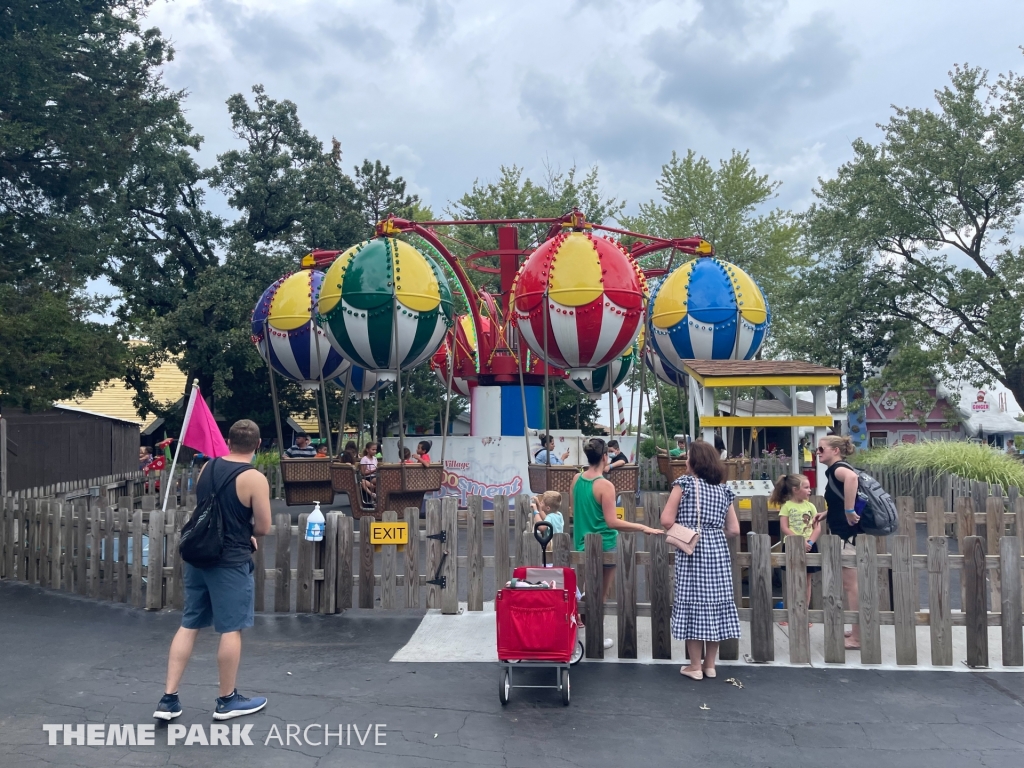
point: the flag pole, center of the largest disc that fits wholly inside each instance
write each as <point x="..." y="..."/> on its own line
<point x="184" y="429"/>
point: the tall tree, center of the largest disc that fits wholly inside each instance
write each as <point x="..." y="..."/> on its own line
<point x="381" y="195"/>
<point x="726" y="206"/>
<point x="190" y="280"/>
<point x="932" y="208"/>
<point x="82" y="92"/>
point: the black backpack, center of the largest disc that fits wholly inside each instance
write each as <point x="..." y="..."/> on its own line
<point x="202" y="537"/>
<point x="878" y="515"/>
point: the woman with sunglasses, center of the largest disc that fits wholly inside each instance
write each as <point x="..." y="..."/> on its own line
<point x="843" y="520"/>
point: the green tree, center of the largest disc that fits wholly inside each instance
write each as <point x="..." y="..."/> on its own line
<point x="931" y="209"/>
<point x="725" y="206"/>
<point x="512" y="196"/>
<point x="82" y="92"/>
<point x="190" y="280"/>
<point x="380" y="195"/>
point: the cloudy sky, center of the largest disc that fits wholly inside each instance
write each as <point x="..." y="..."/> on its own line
<point x="445" y="91"/>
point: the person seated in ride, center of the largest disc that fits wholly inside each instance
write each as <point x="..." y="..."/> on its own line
<point x="368" y="469"/>
<point x="423" y="453"/>
<point x="546" y="454"/>
<point x="546" y="507"/>
<point x="616" y="458"/>
<point x="302" y="449"/>
<point x="407" y="457"/>
<point x="679" y="452"/>
<point x="349" y="456"/>
<point x="321" y="451"/>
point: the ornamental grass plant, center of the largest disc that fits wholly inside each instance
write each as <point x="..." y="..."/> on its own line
<point x="970" y="460"/>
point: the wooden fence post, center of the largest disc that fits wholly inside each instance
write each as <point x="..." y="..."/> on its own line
<point x="412" y="559"/>
<point x="304" y="586"/>
<point x="964" y="511"/>
<point x="905" y="506"/>
<point x="625" y="594"/>
<point x="95" y="547"/>
<point x="137" y="534"/>
<point x="1009" y="561"/>
<point x="283" y="562"/>
<point x="434" y="549"/>
<point x="904" y="590"/>
<point x="123" y="516"/>
<point x="329" y="587"/>
<point x="366" y="561"/>
<point x="762" y="631"/>
<point x="259" y="573"/>
<point x="939" y="612"/>
<point x="530" y="549"/>
<point x="867" y="586"/>
<point x="759" y="514"/>
<point x="832" y="598"/>
<point x="155" y="568"/>
<point x="936" y="515"/>
<point x="975" y="605"/>
<point x="594" y="570"/>
<point x="796" y="600"/>
<point x="389" y="568"/>
<point x="475" y="554"/>
<point x="995" y="529"/>
<point x="176" y="587"/>
<point x="659" y="582"/>
<point x="522" y="524"/>
<point x="561" y="545"/>
<point x="450" y="571"/>
<point x="501" y="555"/>
<point x="346" y="542"/>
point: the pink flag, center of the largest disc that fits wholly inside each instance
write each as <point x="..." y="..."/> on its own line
<point x="200" y="431"/>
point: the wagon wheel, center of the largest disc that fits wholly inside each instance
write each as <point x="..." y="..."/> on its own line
<point x="577" y="653"/>
<point x="565" y="687"/>
<point x="504" y="687"/>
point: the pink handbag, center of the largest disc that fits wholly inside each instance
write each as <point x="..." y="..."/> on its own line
<point x="679" y="536"/>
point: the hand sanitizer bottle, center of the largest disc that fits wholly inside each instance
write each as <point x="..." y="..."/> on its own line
<point x="315" y="524"/>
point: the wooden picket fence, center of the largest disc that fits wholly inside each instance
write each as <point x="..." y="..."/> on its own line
<point x="84" y="549"/>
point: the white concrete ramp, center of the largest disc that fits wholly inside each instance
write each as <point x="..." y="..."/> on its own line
<point x="471" y="637"/>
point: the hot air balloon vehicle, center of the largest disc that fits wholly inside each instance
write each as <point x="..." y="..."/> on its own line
<point x="574" y="306"/>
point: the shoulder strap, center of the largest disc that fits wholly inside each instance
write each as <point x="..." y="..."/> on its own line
<point x="696" y="498"/>
<point x="832" y="480"/>
<point x="235" y="472"/>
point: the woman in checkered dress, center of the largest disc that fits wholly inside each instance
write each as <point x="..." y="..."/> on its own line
<point x="704" y="612"/>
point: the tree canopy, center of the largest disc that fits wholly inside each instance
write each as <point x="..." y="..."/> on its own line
<point x="930" y="212"/>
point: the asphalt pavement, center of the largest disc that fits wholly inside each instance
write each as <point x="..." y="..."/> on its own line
<point x="69" y="660"/>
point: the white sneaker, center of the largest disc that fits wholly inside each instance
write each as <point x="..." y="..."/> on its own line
<point x="608" y="643"/>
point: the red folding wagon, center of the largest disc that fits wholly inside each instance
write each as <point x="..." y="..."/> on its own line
<point x="537" y="627"/>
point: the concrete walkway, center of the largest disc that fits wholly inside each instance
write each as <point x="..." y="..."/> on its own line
<point x="69" y="660"/>
<point x="471" y="637"/>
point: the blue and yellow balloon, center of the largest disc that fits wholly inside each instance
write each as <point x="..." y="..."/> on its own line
<point x="707" y="309"/>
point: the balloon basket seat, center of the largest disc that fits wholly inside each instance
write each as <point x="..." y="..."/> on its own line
<point x="306" y="481"/>
<point x="556" y="477"/>
<point x="625" y="478"/>
<point x="398" y="486"/>
<point x="671" y="468"/>
<point x="737" y="469"/>
<point x="404" y="485"/>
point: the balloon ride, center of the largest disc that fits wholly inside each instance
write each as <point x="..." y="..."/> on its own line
<point x="572" y="306"/>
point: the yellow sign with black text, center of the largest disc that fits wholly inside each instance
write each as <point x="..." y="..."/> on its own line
<point x="620" y="513"/>
<point x="389" y="533"/>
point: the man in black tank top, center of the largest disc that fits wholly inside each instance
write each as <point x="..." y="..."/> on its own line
<point x="222" y="595"/>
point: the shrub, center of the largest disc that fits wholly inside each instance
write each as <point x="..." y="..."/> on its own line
<point x="971" y="460"/>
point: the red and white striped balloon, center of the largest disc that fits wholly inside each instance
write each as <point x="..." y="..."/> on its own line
<point x="589" y="295"/>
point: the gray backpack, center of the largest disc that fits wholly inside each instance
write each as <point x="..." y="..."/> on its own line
<point x="878" y="516"/>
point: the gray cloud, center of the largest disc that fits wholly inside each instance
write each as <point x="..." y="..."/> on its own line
<point x="722" y="66"/>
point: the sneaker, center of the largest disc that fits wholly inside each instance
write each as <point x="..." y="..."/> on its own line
<point x="237" y="705"/>
<point x="608" y="643"/>
<point x="168" y="708"/>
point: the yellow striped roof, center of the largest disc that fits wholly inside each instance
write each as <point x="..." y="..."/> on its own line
<point x="114" y="398"/>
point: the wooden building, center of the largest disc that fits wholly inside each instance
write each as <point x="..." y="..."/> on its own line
<point x="64" y="444"/>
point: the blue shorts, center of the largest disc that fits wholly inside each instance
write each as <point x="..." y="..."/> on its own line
<point x="220" y="596"/>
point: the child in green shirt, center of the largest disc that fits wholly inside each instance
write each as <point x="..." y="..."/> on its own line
<point x="797" y="515"/>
